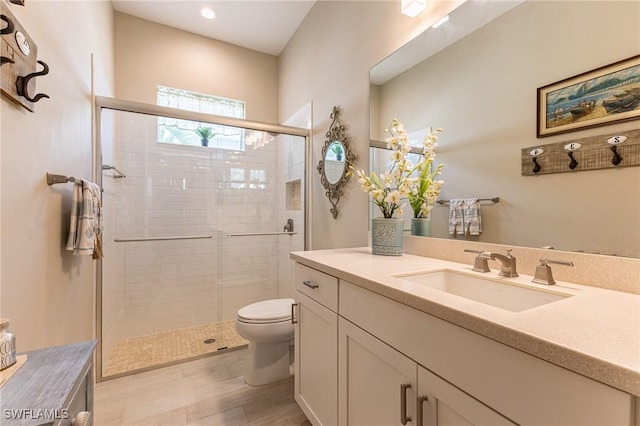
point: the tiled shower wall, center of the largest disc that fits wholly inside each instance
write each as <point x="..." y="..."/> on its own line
<point x="175" y="190"/>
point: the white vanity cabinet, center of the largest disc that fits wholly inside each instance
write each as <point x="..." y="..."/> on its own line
<point x="353" y="358"/>
<point x="378" y="385"/>
<point x="316" y="345"/>
<point x="472" y="375"/>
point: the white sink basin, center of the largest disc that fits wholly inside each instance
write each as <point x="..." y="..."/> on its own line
<point x="503" y="294"/>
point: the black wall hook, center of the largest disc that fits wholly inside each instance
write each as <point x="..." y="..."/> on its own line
<point x="617" y="159"/>
<point x="5" y="60"/>
<point x="573" y="164"/>
<point x="9" y="28"/>
<point x="22" y="83"/>
<point x="536" y="167"/>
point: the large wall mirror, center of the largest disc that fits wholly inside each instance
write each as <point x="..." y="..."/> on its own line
<point x="476" y="77"/>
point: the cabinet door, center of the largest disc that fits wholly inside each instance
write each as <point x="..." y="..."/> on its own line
<point x="370" y="380"/>
<point x="440" y="403"/>
<point x="316" y="361"/>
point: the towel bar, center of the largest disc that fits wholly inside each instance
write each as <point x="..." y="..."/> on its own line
<point x="251" y="234"/>
<point x="52" y="179"/>
<point x="177" y="237"/>
<point x="494" y="200"/>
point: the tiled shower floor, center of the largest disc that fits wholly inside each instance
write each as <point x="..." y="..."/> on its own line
<point x="136" y="353"/>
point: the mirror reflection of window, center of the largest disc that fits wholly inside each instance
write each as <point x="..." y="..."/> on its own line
<point x="335" y="152"/>
<point x="334" y="162"/>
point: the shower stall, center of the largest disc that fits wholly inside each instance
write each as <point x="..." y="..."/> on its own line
<point x="191" y="233"/>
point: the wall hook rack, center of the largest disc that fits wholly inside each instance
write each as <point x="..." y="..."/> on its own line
<point x="22" y="83"/>
<point x="606" y="151"/>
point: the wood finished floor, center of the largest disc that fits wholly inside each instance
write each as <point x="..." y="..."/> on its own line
<point x="205" y="392"/>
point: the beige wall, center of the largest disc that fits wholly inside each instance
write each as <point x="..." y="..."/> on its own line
<point x="46" y="292"/>
<point x="149" y="54"/>
<point x="482" y="92"/>
<point x="327" y="62"/>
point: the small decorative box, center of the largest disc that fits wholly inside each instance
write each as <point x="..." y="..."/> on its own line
<point x="7" y="345"/>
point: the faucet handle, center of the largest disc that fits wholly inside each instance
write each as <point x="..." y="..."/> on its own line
<point x="543" y="271"/>
<point x="480" y="263"/>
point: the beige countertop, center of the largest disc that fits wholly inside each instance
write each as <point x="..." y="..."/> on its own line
<point x="596" y="332"/>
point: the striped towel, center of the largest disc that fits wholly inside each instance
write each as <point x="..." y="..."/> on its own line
<point x="456" y="217"/>
<point x="472" y="217"/>
<point x="86" y="216"/>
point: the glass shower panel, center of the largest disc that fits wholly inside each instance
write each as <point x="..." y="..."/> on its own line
<point x="191" y="235"/>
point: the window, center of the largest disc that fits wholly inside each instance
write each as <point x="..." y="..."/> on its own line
<point x="184" y="132"/>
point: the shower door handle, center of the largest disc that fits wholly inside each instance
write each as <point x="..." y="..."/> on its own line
<point x="293" y="312"/>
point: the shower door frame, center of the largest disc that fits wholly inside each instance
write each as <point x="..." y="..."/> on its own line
<point x="101" y="102"/>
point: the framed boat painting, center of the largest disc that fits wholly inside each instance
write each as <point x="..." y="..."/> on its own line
<point x="595" y="98"/>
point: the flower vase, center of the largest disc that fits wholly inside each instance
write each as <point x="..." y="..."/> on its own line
<point x="204" y="142"/>
<point x="421" y="226"/>
<point x="386" y="236"/>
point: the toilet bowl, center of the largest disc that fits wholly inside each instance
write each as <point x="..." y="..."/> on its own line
<point x="268" y="328"/>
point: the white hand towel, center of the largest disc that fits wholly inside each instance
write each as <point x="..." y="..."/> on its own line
<point x="85" y="219"/>
<point x="456" y="217"/>
<point x="472" y="217"/>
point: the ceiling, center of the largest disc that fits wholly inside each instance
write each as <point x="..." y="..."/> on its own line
<point x="262" y="25"/>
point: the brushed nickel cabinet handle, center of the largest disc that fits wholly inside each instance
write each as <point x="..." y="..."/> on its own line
<point x="310" y="284"/>
<point x="419" y="401"/>
<point x="403" y="403"/>
<point x="293" y="318"/>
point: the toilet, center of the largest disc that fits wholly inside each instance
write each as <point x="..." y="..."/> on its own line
<point x="268" y="328"/>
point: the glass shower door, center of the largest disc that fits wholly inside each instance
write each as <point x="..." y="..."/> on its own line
<point x="191" y="235"/>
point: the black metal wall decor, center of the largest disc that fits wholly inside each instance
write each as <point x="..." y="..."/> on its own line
<point x="18" y="61"/>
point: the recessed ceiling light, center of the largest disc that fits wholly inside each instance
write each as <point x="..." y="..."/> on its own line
<point x="412" y="8"/>
<point x="208" y="13"/>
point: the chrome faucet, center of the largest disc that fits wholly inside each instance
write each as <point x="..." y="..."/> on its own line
<point x="480" y="263"/>
<point x="543" y="271"/>
<point x="507" y="264"/>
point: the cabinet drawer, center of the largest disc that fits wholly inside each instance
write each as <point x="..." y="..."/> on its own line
<point x="317" y="285"/>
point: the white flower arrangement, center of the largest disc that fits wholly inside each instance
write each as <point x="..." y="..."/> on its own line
<point x="403" y="180"/>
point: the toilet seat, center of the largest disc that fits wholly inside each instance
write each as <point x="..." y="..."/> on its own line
<point x="266" y="311"/>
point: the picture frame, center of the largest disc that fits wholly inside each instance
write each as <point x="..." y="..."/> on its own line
<point x="605" y="95"/>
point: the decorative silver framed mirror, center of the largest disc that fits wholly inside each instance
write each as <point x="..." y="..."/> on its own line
<point x="336" y="158"/>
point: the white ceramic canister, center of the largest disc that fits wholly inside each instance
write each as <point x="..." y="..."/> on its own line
<point x="7" y="346"/>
